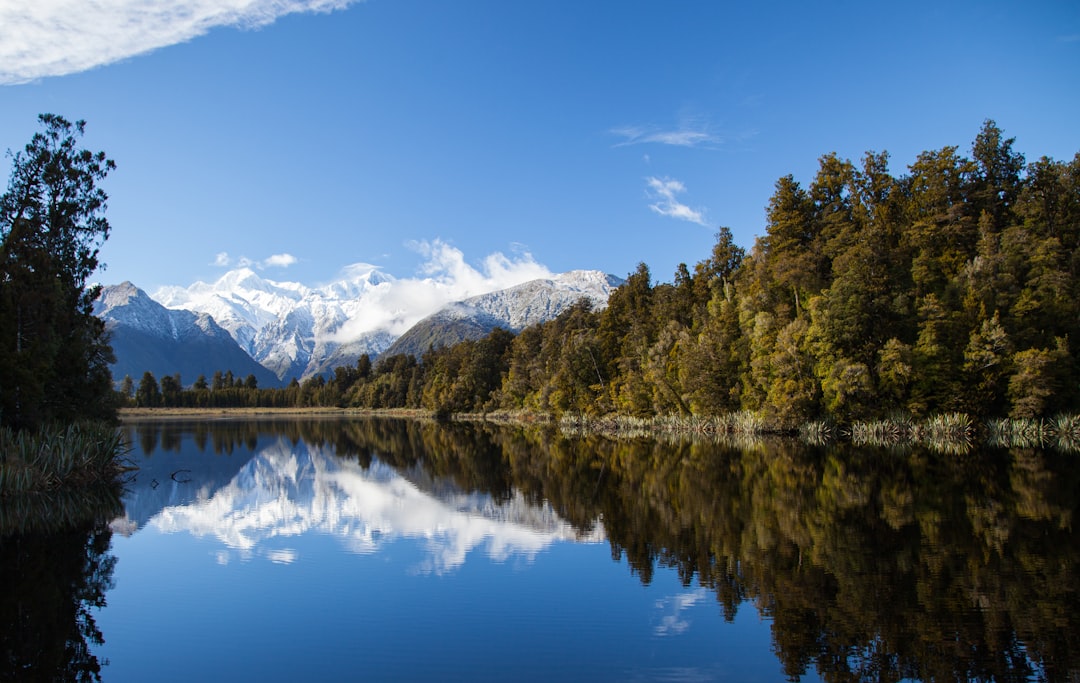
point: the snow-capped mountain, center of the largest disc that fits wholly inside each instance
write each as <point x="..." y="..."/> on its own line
<point x="513" y="309"/>
<point x="292" y="330"/>
<point x="146" y="336"/>
<point x="289" y="490"/>
<point x="538" y="301"/>
<point x="289" y="328"/>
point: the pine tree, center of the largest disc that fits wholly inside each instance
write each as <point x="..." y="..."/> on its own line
<point x="54" y="353"/>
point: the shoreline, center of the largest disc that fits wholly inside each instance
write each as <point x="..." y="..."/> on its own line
<point x="135" y="414"/>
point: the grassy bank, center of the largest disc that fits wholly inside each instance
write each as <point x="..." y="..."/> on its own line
<point x="950" y="432"/>
<point x="133" y="414"/>
<point x="70" y="456"/>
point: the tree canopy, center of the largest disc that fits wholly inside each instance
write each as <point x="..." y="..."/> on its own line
<point x="951" y="287"/>
<point x="54" y="353"/>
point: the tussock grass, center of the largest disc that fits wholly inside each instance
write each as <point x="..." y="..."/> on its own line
<point x="952" y="433"/>
<point x="1061" y="432"/>
<point x="818" y="432"/>
<point x="948" y="433"/>
<point x="740" y="424"/>
<point x="74" y="455"/>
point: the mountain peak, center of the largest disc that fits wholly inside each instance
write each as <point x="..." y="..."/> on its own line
<point x="244" y="278"/>
<point x="112" y="296"/>
<point x="298" y="331"/>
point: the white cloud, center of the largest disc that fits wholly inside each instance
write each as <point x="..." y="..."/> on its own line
<point x="223" y="260"/>
<point x="58" y="37"/>
<point x="664" y="192"/>
<point x="279" y="261"/>
<point x="443" y="277"/>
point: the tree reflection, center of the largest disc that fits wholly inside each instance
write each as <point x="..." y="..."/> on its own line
<point x="872" y="564"/>
<point x="55" y="570"/>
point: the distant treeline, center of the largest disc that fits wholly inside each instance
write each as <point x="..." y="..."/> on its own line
<point x="951" y="288"/>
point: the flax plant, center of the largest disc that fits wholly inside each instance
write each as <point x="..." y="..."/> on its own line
<point x="51" y="458"/>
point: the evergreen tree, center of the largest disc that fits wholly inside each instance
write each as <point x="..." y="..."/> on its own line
<point x="170" y="390"/>
<point x="54" y="353"/>
<point x="148" y="395"/>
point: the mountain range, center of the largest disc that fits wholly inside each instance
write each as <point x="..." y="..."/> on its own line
<point x="283" y="330"/>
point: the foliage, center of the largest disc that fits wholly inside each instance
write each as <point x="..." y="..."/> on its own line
<point x="950" y="289"/>
<point x="54" y="353"/>
<point x="72" y="455"/>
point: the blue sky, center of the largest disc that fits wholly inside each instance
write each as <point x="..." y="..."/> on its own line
<point x="301" y="136"/>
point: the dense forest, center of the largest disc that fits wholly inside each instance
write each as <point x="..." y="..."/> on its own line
<point x="950" y="288"/>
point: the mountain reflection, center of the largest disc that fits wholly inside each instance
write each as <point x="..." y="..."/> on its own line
<point x="880" y="565"/>
<point x="289" y="489"/>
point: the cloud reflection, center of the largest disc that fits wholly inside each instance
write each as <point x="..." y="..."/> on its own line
<point x="288" y="491"/>
<point x="675" y="623"/>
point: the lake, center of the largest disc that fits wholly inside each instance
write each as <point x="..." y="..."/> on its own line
<point x="395" y="550"/>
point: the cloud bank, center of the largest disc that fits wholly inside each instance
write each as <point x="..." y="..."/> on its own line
<point x="444" y="277"/>
<point x="59" y="37"/>
<point x="664" y="191"/>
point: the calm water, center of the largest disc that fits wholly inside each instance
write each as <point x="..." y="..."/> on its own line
<point x="338" y="550"/>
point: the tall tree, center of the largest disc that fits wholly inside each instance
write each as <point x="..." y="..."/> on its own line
<point x="148" y="395"/>
<point x="54" y="353"/>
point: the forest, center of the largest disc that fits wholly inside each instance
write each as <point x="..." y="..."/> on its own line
<point x="951" y="288"/>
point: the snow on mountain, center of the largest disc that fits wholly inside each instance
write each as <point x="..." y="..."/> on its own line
<point x="299" y="331"/>
<point x="287" y="491"/>
<point x="289" y="328"/>
<point x="541" y="300"/>
<point x="146" y="336"/>
<point x="513" y="309"/>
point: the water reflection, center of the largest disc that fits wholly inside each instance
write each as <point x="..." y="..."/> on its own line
<point x="867" y="564"/>
<point x="54" y="572"/>
<point x="871" y="564"/>
<point x="290" y="487"/>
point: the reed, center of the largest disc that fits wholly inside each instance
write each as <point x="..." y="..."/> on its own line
<point x="948" y="433"/>
<point x="744" y="423"/>
<point x="818" y="432"/>
<point x="1061" y="432"/>
<point x="73" y="455"/>
<point x="1065" y="430"/>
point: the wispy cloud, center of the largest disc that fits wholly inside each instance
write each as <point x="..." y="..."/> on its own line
<point x="223" y="260"/>
<point x="59" y="37"/>
<point x="676" y="623"/>
<point x="690" y="133"/>
<point x="664" y="191"/>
